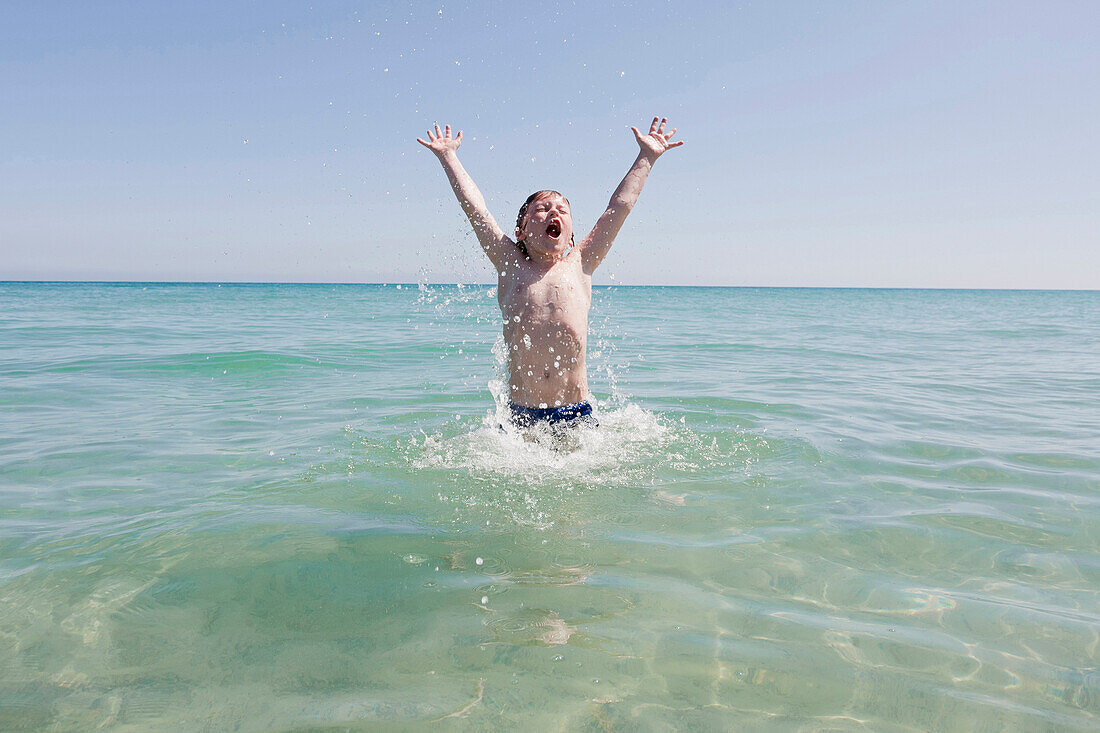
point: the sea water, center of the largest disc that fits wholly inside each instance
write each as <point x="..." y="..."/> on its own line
<point x="280" y="507"/>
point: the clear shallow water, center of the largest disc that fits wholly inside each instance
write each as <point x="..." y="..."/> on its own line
<point x="287" y="507"/>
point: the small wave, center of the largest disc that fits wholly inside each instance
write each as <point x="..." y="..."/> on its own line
<point x="200" y="364"/>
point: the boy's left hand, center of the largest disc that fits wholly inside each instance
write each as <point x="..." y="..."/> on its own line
<point x="657" y="141"/>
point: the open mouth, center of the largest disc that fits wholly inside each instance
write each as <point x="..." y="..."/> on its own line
<point x="553" y="230"/>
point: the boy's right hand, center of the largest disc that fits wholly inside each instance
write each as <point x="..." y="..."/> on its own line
<point x="441" y="142"/>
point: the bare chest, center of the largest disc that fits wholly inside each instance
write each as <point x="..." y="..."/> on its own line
<point x="558" y="298"/>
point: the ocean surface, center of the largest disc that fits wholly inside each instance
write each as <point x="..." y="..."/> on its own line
<point x="290" y="507"/>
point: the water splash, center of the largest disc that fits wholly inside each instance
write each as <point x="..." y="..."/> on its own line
<point x="535" y="476"/>
<point x="490" y="472"/>
<point x="615" y="453"/>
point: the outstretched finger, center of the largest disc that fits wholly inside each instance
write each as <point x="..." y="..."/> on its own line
<point x="425" y="143"/>
<point x="670" y="134"/>
<point x="438" y="132"/>
<point x="637" y="133"/>
<point x="653" y="125"/>
<point x="431" y="136"/>
<point x="676" y="144"/>
<point x="448" y="131"/>
<point x="661" y="129"/>
<point x="458" y="138"/>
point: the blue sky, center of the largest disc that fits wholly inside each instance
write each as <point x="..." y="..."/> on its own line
<point x="934" y="144"/>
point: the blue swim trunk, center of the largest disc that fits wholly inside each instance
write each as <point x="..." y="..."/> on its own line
<point x="579" y="413"/>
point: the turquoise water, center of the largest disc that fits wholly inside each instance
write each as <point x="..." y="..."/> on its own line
<point x="279" y="507"/>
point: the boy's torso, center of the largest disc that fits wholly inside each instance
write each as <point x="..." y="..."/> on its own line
<point x="546" y="331"/>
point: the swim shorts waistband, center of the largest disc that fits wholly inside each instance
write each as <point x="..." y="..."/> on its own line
<point x="525" y="417"/>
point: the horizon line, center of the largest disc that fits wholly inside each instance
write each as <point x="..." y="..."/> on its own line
<point x="489" y="285"/>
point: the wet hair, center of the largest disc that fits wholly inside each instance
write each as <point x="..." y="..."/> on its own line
<point x="545" y="193"/>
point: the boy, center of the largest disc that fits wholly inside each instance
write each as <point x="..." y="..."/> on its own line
<point x="544" y="279"/>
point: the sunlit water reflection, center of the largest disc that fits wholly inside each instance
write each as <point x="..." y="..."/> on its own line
<point x="284" y="507"/>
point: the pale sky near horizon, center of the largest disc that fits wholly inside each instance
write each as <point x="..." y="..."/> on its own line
<point x="929" y="144"/>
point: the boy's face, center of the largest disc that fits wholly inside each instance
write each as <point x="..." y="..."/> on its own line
<point x="547" y="227"/>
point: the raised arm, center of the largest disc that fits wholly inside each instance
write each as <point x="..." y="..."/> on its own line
<point x="496" y="244"/>
<point x="594" y="247"/>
